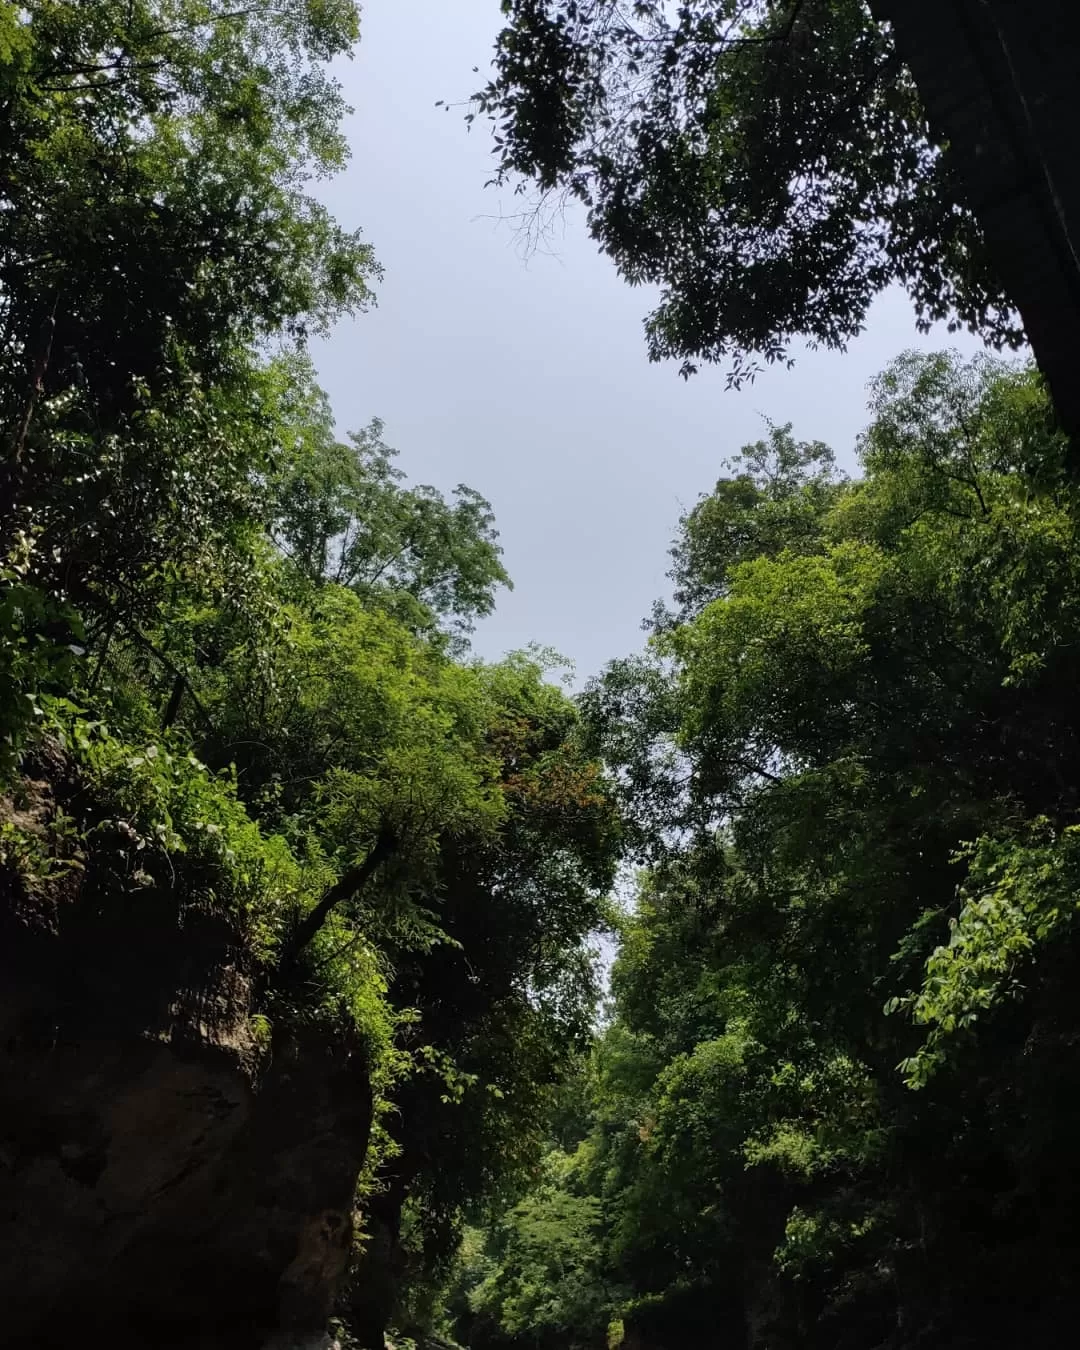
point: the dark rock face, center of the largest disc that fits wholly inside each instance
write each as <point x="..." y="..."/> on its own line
<point x="163" y="1181"/>
<point x="998" y="81"/>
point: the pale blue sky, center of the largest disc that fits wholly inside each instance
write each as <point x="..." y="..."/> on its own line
<point x="528" y="380"/>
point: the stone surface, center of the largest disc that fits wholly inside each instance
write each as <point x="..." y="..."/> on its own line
<point x="998" y="81"/>
<point x="162" y="1182"/>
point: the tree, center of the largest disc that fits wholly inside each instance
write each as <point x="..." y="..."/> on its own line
<point x="539" y="1275"/>
<point x="768" y="165"/>
<point x="410" y="851"/>
<point x="998" y="88"/>
<point x="834" y="1103"/>
<point x="235" y="697"/>
<point x="772" y="165"/>
<point x="775" y="499"/>
<point x="154" y="170"/>
<point x="506" y="999"/>
<point x="342" y="514"/>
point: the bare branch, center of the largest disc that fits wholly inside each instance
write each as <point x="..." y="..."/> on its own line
<point x="345" y="888"/>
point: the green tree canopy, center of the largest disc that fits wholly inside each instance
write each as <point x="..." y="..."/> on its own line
<point x="155" y="169"/>
<point x="833" y="1105"/>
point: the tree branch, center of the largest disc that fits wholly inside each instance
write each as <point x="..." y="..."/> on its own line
<point x="345" y="888"/>
<point x="756" y="768"/>
<point x="175" y="671"/>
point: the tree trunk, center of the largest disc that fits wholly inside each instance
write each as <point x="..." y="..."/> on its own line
<point x="376" y="1279"/>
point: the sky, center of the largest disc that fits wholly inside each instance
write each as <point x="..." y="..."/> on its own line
<point x="526" y="376"/>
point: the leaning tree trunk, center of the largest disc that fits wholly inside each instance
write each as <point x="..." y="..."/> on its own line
<point x="998" y="80"/>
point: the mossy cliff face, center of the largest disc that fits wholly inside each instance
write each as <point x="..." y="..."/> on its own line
<point x="167" y="1178"/>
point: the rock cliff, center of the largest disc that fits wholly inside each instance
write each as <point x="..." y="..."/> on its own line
<point x="168" y="1177"/>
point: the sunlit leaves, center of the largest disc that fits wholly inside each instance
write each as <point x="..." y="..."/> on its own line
<point x="343" y="513"/>
<point x="856" y="742"/>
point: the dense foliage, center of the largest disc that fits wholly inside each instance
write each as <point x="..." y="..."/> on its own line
<point x="234" y="671"/>
<point x="834" y="1103"/>
<point x="834" y="1099"/>
<point x="767" y="164"/>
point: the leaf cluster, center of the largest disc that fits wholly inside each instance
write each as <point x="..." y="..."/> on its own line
<point x="768" y="165"/>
